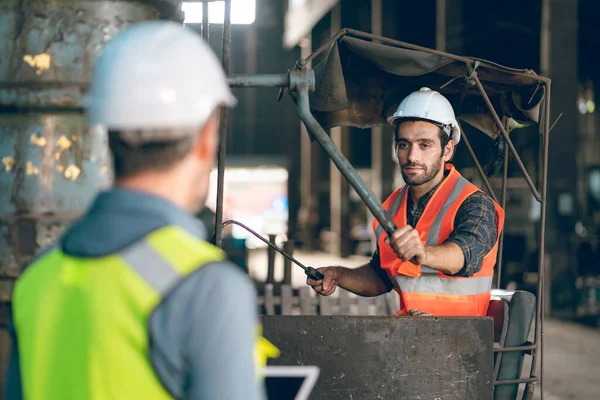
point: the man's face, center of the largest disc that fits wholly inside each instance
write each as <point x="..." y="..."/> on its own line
<point x="419" y="152"/>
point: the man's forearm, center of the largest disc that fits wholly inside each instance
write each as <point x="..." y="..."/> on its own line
<point x="362" y="281"/>
<point x="447" y="258"/>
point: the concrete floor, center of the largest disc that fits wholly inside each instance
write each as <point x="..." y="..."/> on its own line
<point x="571" y="361"/>
<point x="571" y="351"/>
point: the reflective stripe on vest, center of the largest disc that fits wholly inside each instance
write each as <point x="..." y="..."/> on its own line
<point x="151" y="266"/>
<point x="422" y="287"/>
<point x="429" y="283"/>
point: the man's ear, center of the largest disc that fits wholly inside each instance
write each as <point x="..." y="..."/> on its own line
<point x="449" y="151"/>
<point x="208" y="140"/>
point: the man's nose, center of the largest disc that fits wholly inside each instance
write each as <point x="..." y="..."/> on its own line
<point x="413" y="154"/>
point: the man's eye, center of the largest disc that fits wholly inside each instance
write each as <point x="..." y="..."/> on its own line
<point x="402" y="145"/>
<point x="425" y="145"/>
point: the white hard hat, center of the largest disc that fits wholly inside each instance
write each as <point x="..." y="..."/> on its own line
<point x="156" y="76"/>
<point x="431" y="106"/>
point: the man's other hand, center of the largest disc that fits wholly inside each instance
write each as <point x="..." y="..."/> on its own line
<point x="407" y="244"/>
<point x="327" y="285"/>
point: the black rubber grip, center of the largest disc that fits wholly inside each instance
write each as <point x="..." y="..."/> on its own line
<point x="313" y="274"/>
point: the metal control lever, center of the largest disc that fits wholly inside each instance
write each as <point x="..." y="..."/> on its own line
<point x="311" y="272"/>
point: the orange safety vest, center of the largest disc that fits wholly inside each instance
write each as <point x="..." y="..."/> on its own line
<point x="421" y="287"/>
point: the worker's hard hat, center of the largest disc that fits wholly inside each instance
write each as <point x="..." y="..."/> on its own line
<point x="156" y="76"/>
<point x="428" y="105"/>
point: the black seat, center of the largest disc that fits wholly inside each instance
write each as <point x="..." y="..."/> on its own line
<point x="513" y="313"/>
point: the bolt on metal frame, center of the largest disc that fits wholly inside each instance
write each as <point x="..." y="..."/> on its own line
<point x="301" y="81"/>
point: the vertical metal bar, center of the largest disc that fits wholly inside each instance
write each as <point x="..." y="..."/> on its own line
<point x="205" y="26"/>
<point x="382" y="162"/>
<point x="545" y="66"/>
<point x="309" y="177"/>
<point x="222" y="152"/>
<point x="503" y="205"/>
<point x="539" y="320"/>
<point x="479" y="168"/>
<point x="339" y="188"/>
<point x="271" y="260"/>
<point x="506" y="138"/>
<point x="542" y="264"/>
<point x="250" y="95"/>
<point x="288" y="247"/>
<point x="440" y="34"/>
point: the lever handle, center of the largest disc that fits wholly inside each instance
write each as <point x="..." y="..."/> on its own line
<point x="313" y="274"/>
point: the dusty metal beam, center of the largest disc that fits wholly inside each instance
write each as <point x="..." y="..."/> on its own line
<point x="265" y="80"/>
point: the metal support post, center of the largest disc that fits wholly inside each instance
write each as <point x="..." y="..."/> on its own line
<point x="271" y="260"/>
<point x="539" y="318"/>
<point x="309" y="174"/>
<point x="503" y="205"/>
<point x="339" y="199"/>
<point x="222" y="152"/>
<point x="382" y="163"/>
<point x="288" y="247"/>
<point x="205" y="24"/>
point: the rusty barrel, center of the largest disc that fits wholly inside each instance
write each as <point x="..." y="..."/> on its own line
<point x="51" y="163"/>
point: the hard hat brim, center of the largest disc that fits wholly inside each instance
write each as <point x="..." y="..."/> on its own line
<point x="455" y="137"/>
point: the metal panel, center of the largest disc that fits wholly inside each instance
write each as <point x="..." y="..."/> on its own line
<point x="389" y="358"/>
<point x="51" y="163"/>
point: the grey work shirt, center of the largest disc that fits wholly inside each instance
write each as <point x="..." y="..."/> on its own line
<point x="202" y="334"/>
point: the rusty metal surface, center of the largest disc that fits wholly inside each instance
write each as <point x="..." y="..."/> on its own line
<point x="48" y="48"/>
<point x="51" y="164"/>
<point x="388" y="357"/>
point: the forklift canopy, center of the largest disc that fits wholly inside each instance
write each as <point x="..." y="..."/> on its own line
<point x="361" y="82"/>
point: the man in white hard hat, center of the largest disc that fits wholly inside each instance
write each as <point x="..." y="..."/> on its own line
<point x="441" y="258"/>
<point x="133" y="303"/>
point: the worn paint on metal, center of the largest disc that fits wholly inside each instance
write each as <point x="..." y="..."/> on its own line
<point x="8" y="163"/>
<point x="37" y="140"/>
<point x="53" y="164"/>
<point x="49" y="47"/>
<point x="39" y="62"/>
<point x="450" y="358"/>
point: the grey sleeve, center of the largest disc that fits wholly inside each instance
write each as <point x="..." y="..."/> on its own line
<point x="13" y="381"/>
<point x="203" y="336"/>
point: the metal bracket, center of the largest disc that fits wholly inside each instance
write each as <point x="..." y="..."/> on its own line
<point x="302" y="78"/>
<point x="470" y="79"/>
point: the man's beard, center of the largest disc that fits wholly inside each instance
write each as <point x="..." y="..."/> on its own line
<point x="423" y="176"/>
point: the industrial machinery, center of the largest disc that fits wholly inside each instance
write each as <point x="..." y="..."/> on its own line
<point x="359" y="83"/>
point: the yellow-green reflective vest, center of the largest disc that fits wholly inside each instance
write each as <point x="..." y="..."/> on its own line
<point x="81" y="323"/>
